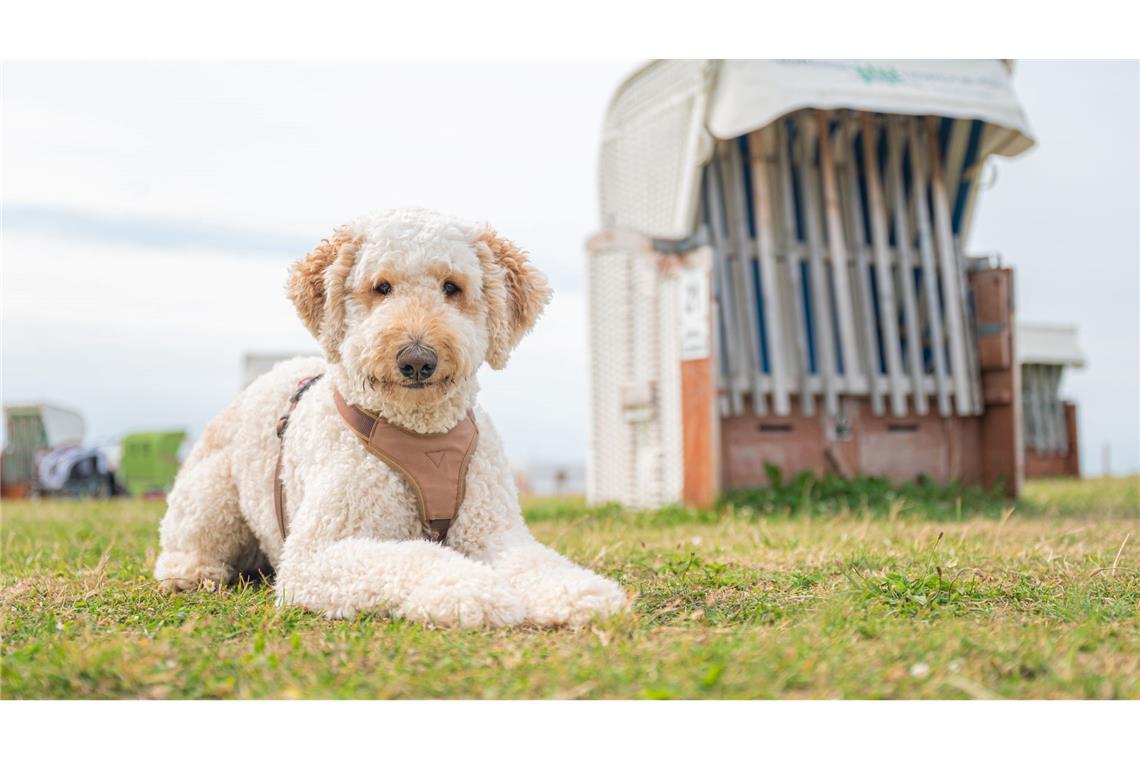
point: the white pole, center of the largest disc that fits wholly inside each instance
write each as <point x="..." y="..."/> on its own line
<point x="724" y="282"/>
<point x="837" y="247"/>
<point x="929" y="270"/>
<point x="854" y="208"/>
<point x="820" y="293"/>
<point x="948" y="258"/>
<point x="766" y="247"/>
<point x="792" y="259"/>
<point x="883" y="269"/>
<point x="906" y="264"/>
<point x="747" y="304"/>
<point x="955" y="170"/>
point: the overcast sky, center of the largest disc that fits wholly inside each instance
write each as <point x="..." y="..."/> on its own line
<point x="151" y="212"/>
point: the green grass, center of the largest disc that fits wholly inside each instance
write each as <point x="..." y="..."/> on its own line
<point x="810" y="589"/>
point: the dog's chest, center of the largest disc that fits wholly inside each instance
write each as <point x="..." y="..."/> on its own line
<point x="379" y="501"/>
<point x="357" y="494"/>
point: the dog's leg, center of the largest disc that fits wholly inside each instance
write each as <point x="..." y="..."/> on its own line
<point x="555" y="590"/>
<point x="490" y="528"/>
<point x="416" y="580"/>
<point x="203" y="537"/>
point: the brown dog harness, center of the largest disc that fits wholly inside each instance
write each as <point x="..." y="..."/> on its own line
<point x="434" y="465"/>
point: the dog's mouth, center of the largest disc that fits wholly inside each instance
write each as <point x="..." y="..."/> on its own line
<point x="426" y="383"/>
<point x="412" y="386"/>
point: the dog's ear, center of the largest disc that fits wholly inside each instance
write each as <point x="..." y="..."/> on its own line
<point x="515" y="293"/>
<point x="316" y="288"/>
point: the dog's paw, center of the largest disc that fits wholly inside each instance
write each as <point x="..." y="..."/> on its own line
<point x="470" y="602"/>
<point x="179" y="571"/>
<point x="574" y="598"/>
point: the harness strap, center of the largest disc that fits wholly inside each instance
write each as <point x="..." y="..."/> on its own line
<point x="282" y="423"/>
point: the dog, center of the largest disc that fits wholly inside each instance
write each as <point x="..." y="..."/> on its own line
<point x="406" y="306"/>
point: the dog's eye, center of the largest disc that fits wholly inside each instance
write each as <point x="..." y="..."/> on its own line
<point x="383" y="288"/>
<point x="450" y="288"/>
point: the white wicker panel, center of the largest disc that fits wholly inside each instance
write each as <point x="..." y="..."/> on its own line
<point x="641" y="365"/>
<point x="635" y="439"/>
<point x="608" y="465"/>
<point x="652" y="147"/>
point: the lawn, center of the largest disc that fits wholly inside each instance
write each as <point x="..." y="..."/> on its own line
<point x="809" y="590"/>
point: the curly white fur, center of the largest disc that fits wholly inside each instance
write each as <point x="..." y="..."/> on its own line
<point x="355" y="541"/>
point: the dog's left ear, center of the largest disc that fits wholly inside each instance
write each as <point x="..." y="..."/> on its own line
<point x="316" y="288"/>
<point x="514" y="291"/>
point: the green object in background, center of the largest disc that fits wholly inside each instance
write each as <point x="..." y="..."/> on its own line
<point x="150" y="461"/>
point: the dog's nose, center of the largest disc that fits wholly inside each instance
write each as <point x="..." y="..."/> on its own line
<point x="416" y="361"/>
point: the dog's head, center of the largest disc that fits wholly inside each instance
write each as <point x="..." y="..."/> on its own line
<point x="410" y="303"/>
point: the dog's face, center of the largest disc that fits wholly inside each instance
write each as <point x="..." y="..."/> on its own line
<point x="411" y="303"/>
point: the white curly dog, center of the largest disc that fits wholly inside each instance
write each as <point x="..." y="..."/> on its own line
<point x="455" y="295"/>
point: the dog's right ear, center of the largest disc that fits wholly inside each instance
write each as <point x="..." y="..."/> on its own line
<point x="316" y="288"/>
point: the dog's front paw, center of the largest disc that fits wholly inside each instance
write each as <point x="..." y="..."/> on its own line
<point x="468" y="602"/>
<point x="573" y="598"/>
<point x="181" y="571"/>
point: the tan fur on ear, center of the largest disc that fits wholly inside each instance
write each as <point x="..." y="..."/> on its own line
<point x="515" y="292"/>
<point x="316" y="288"/>
<point x="336" y="277"/>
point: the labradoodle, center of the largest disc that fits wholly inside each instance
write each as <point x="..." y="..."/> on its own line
<point x="406" y="306"/>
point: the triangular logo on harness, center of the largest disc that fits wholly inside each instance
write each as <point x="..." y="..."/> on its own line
<point x="436" y="457"/>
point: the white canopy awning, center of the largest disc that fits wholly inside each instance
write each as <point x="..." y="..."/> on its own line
<point x="61" y="426"/>
<point x="661" y="123"/>
<point x="752" y="94"/>
<point x="1049" y="344"/>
